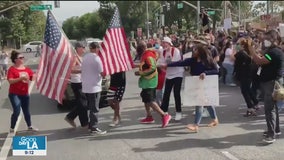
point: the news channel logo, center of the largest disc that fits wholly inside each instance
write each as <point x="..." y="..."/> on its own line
<point x="29" y="146"/>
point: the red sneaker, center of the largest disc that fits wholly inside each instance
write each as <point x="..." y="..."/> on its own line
<point x="166" y="119"/>
<point x="147" y="120"/>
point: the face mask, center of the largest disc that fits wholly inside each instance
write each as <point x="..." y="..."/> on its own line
<point x="157" y="46"/>
<point x="267" y="43"/>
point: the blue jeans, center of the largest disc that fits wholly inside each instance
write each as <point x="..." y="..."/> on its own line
<point x="93" y="102"/>
<point x="17" y="102"/>
<point x="229" y="76"/>
<point x="199" y="110"/>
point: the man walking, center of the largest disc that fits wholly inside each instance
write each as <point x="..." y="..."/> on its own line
<point x="92" y="72"/>
<point x="270" y="70"/>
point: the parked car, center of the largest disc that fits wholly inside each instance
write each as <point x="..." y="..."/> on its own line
<point x="69" y="98"/>
<point x="31" y="46"/>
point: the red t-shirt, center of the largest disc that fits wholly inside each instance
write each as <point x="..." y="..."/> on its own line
<point x="22" y="87"/>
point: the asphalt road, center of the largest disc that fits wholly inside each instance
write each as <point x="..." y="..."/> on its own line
<point x="235" y="138"/>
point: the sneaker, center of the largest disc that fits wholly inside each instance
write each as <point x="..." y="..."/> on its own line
<point x="33" y="129"/>
<point x="250" y="113"/>
<point x="178" y="116"/>
<point x="114" y="123"/>
<point x="166" y="119"/>
<point x="269" y="140"/>
<point x="232" y="85"/>
<point x="71" y="122"/>
<point x="256" y="107"/>
<point x="98" y="131"/>
<point x="276" y="133"/>
<point x="147" y="120"/>
<point x="12" y="130"/>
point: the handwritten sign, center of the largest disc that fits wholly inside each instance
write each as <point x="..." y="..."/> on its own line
<point x="201" y="92"/>
<point x="227" y="23"/>
<point x="281" y="29"/>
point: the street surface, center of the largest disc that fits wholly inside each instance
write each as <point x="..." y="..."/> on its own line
<point x="235" y="138"/>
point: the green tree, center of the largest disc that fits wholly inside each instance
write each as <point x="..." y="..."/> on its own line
<point x="20" y="24"/>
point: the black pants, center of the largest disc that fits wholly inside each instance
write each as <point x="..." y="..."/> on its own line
<point x="169" y="84"/>
<point x="79" y="110"/>
<point x="270" y="108"/>
<point x="247" y="92"/>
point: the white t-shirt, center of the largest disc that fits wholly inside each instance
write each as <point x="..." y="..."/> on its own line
<point x="228" y="53"/>
<point x="76" y="78"/>
<point x="91" y="68"/>
<point x="173" y="72"/>
<point x="4" y="58"/>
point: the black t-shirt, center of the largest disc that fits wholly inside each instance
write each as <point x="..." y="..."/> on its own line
<point x="214" y="51"/>
<point x="272" y="70"/>
<point x="118" y="79"/>
<point x="243" y="65"/>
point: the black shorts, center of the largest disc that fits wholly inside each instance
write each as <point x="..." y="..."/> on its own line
<point x="118" y="92"/>
<point x="148" y="95"/>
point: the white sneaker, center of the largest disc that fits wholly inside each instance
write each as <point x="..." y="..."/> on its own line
<point x="178" y="116"/>
<point x="12" y="130"/>
<point x="33" y="129"/>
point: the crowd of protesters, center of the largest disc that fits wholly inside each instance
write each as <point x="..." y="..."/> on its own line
<point x="251" y="60"/>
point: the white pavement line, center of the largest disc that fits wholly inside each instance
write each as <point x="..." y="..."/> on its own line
<point x="8" y="142"/>
<point x="229" y="155"/>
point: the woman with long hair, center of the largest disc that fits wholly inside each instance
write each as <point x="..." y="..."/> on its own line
<point x="243" y="71"/>
<point x="201" y="64"/>
<point x="19" y="77"/>
<point x="228" y="63"/>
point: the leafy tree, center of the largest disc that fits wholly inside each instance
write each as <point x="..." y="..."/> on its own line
<point x="20" y="24"/>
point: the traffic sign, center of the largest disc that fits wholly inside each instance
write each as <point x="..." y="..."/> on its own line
<point x="211" y="12"/>
<point x="265" y="17"/>
<point x="180" y="5"/>
<point x="40" y="7"/>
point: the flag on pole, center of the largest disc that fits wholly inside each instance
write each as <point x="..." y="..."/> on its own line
<point x="115" y="51"/>
<point x="56" y="60"/>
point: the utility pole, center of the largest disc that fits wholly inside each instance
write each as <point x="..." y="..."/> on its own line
<point x="197" y="18"/>
<point x="267" y="7"/>
<point x="147" y="10"/>
<point x="239" y="3"/>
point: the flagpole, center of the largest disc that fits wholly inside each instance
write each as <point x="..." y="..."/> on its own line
<point x="74" y="50"/>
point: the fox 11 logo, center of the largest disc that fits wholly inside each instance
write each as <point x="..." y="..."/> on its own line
<point x="29" y="146"/>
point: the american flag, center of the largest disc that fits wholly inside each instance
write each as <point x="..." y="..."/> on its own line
<point x="115" y="51"/>
<point x="56" y="61"/>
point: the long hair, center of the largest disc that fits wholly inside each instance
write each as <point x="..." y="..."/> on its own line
<point x="227" y="45"/>
<point x="141" y="47"/>
<point x="204" y="55"/>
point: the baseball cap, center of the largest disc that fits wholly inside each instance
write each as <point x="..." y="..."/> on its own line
<point x="168" y="40"/>
<point x="78" y="45"/>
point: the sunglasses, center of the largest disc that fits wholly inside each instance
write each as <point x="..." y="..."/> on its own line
<point x="20" y="57"/>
